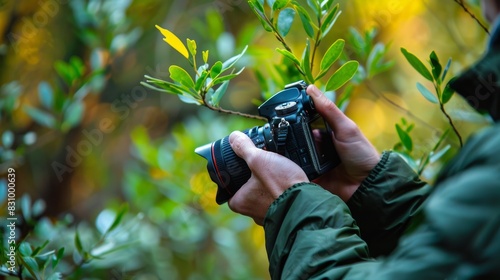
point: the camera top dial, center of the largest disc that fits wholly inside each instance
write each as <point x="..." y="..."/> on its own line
<point x="286" y="108"/>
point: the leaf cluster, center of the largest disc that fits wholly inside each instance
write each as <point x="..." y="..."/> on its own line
<point x="317" y="22"/>
<point x="437" y="76"/>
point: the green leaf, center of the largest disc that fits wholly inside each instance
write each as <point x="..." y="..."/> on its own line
<point x="25" y="249"/>
<point x="332" y="54"/>
<point x="219" y="93"/>
<point x="373" y="65"/>
<point x="65" y="71"/>
<point x="181" y="76"/>
<point x="222" y="79"/>
<point x="435" y="156"/>
<point x="446" y="68"/>
<point x="410" y="128"/>
<point x="31" y="265"/>
<point x="216" y="70"/>
<point x="40" y="248"/>
<point x="57" y="257"/>
<point x="191" y="44"/>
<point x="200" y="81"/>
<point x="447" y="92"/>
<point x="118" y="217"/>
<point x="46" y="95"/>
<point x="73" y="115"/>
<point x="289" y="55"/>
<point x="314" y="5"/>
<point x="7" y="139"/>
<point x="285" y="20"/>
<point x="306" y="62"/>
<point x="163" y="87"/>
<point x="329" y="21"/>
<point x="306" y="21"/>
<point x="358" y="43"/>
<point x="417" y="64"/>
<point x="258" y="9"/>
<point x="232" y="61"/>
<point x="279" y="4"/>
<point x="426" y="93"/>
<point x="326" y="4"/>
<point x="78" y="243"/>
<point x="436" y="66"/>
<point x="342" y="75"/>
<point x="256" y="5"/>
<point x="55" y="276"/>
<point x="189" y="99"/>
<point x="38" y="208"/>
<point x="96" y="59"/>
<point x="205" y="56"/>
<point x="26" y="207"/>
<point x="405" y="138"/>
<point x="78" y="66"/>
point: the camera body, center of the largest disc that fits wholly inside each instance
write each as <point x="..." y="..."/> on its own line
<point x="294" y="130"/>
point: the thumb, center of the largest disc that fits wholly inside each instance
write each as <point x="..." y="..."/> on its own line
<point x="242" y="145"/>
<point x="337" y="120"/>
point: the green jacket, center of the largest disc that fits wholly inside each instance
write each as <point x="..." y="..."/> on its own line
<point x="312" y="234"/>
<point x="396" y="226"/>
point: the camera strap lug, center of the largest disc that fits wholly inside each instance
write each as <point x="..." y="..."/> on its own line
<point x="282" y="135"/>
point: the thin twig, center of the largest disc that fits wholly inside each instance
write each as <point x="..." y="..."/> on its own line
<point x="452" y="33"/>
<point x="400" y="108"/>
<point x="230" y="112"/>
<point x="452" y="124"/>
<point x="462" y="4"/>
<point x="225" y="111"/>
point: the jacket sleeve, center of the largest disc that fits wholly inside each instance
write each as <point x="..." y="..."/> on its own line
<point x="310" y="234"/>
<point x="310" y="222"/>
<point x="385" y="203"/>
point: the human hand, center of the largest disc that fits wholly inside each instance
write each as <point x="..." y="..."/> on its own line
<point x="272" y="174"/>
<point x="358" y="156"/>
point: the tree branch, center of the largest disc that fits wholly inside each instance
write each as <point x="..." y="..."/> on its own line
<point x="473" y="16"/>
<point x="230" y="112"/>
<point x="441" y="105"/>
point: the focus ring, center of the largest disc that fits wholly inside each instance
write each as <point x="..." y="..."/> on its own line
<point x="235" y="166"/>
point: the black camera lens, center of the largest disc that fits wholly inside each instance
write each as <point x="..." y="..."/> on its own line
<point x="225" y="168"/>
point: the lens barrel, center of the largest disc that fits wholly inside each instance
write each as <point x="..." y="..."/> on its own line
<point x="228" y="170"/>
<point x="231" y="171"/>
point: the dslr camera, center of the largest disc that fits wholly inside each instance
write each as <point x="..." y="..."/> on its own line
<point x="294" y="130"/>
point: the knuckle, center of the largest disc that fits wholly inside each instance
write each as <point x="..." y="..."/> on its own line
<point x="328" y="104"/>
<point x="233" y="205"/>
<point x="351" y="128"/>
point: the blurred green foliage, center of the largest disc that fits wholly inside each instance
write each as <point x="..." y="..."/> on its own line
<point x="107" y="182"/>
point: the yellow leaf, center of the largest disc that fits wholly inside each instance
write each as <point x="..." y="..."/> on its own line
<point x="173" y="41"/>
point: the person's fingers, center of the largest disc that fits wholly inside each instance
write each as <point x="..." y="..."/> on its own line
<point x="250" y="201"/>
<point x="242" y="145"/>
<point x="343" y="127"/>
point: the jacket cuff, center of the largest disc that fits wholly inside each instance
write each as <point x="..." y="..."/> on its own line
<point x="386" y="202"/>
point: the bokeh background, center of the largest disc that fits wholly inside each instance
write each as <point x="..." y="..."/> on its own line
<point x="85" y="137"/>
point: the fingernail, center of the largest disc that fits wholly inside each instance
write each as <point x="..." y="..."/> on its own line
<point x="314" y="90"/>
<point x="233" y="136"/>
